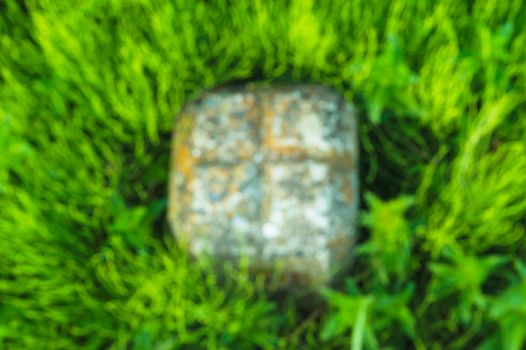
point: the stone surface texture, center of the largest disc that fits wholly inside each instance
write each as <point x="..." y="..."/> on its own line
<point x="270" y="174"/>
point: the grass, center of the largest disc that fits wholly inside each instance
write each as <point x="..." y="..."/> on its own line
<point x="88" y="93"/>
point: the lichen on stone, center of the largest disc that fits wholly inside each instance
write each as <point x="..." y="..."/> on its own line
<point x="269" y="174"/>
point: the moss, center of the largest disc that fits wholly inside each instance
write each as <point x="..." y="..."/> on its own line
<point x="88" y="94"/>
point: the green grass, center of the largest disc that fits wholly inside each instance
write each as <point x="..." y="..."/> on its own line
<point x="88" y="93"/>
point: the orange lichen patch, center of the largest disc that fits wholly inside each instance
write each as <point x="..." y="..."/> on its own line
<point x="183" y="165"/>
<point x="268" y="117"/>
<point x="183" y="161"/>
<point x="181" y="153"/>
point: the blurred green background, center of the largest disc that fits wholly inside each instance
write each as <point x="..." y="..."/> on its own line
<point x="89" y="90"/>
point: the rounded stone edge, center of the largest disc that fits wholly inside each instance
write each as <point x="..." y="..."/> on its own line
<point x="179" y="136"/>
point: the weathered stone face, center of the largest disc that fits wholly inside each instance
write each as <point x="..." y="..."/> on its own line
<point x="269" y="174"/>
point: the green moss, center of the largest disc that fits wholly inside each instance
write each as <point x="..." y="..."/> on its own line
<point x="88" y="94"/>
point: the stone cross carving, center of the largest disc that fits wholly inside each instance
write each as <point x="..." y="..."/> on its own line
<point x="270" y="174"/>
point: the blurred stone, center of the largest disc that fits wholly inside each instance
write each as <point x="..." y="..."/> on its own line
<point x="270" y="174"/>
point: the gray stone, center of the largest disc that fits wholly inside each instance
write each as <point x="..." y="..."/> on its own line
<point x="270" y="174"/>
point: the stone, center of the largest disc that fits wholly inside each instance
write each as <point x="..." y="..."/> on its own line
<point x="269" y="174"/>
